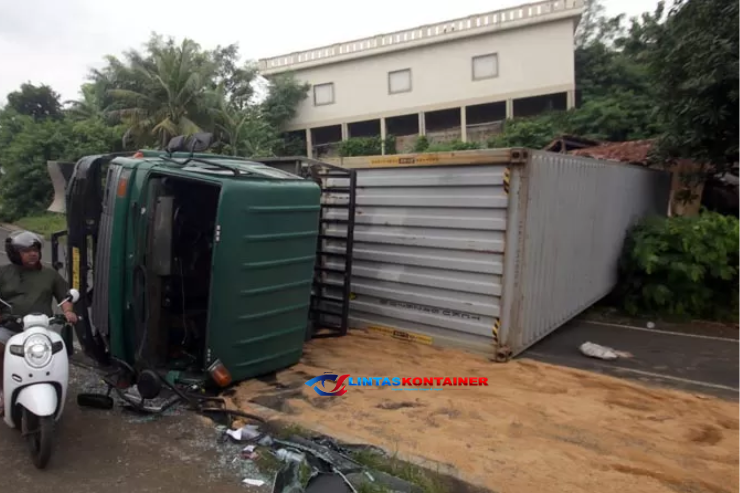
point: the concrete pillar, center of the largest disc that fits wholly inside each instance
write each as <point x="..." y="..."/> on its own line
<point x="383" y="132"/>
<point x="464" y="123"/>
<point x="509" y="108"/>
<point x="422" y="124"/>
<point x="309" y="143"/>
<point x="571" y="99"/>
<point x="345" y="131"/>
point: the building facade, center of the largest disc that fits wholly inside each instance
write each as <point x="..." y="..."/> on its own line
<point x="458" y="79"/>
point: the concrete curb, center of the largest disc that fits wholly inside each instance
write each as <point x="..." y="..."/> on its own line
<point x="429" y="464"/>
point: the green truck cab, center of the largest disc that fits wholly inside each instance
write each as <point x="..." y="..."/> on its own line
<point x="201" y="263"/>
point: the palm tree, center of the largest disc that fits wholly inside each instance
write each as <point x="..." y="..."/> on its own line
<point x="92" y="104"/>
<point x="165" y="93"/>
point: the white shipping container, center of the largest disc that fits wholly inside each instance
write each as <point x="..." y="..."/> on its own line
<point x="488" y="250"/>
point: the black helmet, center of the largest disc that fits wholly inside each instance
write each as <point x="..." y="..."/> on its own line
<point x="19" y="240"/>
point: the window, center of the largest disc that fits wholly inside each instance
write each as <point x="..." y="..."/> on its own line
<point x="485" y="66"/>
<point x="399" y="81"/>
<point x="323" y="94"/>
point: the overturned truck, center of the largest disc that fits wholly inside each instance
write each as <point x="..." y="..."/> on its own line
<point x="197" y="265"/>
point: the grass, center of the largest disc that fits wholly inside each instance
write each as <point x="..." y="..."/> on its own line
<point x="372" y="488"/>
<point x="283" y="431"/>
<point x="44" y="224"/>
<point x="426" y="480"/>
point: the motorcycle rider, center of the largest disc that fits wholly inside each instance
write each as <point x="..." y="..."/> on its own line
<point x="28" y="286"/>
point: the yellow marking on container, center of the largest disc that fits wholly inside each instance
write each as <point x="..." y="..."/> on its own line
<point x="507" y="179"/>
<point x="402" y="334"/>
<point x="405" y="160"/>
<point x="76" y="268"/>
<point x="495" y="330"/>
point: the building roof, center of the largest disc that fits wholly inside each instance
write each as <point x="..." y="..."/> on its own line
<point x="633" y="151"/>
<point x="472" y="25"/>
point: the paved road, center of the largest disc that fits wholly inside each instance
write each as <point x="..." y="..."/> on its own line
<point x="695" y="362"/>
<point x="116" y="451"/>
<point x="119" y="452"/>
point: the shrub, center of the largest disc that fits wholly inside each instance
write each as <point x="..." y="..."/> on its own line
<point x="681" y="266"/>
<point x="367" y="146"/>
<point x="455" y="145"/>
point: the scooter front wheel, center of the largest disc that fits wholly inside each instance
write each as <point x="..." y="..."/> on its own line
<point x="39" y="432"/>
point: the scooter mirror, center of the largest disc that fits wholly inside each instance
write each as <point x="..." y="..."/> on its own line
<point x="74" y="295"/>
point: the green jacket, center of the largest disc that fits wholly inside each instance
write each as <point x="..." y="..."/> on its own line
<point x="31" y="291"/>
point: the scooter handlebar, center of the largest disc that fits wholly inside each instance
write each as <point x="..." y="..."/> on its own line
<point x="13" y="320"/>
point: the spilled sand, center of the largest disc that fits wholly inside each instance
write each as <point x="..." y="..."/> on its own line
<point x="534" y="428"/>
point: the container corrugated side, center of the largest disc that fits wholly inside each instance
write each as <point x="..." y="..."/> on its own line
<point x="428" y="252"/>
<point x="569" y="217"/>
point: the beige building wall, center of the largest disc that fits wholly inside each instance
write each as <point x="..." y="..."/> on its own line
<point x="534" y="60"/>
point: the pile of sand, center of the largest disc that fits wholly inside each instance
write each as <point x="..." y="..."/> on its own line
<point x="535" y="428"/>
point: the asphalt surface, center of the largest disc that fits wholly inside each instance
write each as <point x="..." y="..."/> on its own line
<point x="119" y="451"/>
<point x="695" y="362"/>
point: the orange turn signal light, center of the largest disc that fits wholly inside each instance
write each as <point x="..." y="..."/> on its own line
<point x="220" y="374"/>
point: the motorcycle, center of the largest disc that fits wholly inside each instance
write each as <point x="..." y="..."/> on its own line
<point x="36" y="374"/>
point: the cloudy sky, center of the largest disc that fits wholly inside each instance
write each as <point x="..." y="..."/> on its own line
<point x="56" y="42"/>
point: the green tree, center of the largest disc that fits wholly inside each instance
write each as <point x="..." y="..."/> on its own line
<point x="617" y="96"/>
<point x="27" y="144"/>
<point x="164" y="92"/>
<point x="92" y="105"/>
<point x="695" y="71"/>
<point x="39" y="102"/>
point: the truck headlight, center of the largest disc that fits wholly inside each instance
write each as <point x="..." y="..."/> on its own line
<point x="37" y="350"/>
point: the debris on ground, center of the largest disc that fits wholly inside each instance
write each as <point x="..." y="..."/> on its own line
<point x="253" y="482"/>
<point x="245" y="433"/>
<point x="597" y="351"/>
<point x="320" y="465"/>
<point x="529" y="429"/>
<point x="294" y="465"/>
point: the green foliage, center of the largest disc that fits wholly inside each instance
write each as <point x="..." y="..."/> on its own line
<point x="535" y="132"/>
<point x="428" y="481"/>
<point x="367" y="146"/>
<point x="681" y="266"/>
<point x="695" y="71"/>
<point x="455" y="145"/>
<point x="613" y="74"/>
<point x="38" y="102"/>
<point x="281" y="104"/>
<point x="141" y="100"/>
<point x="27" y="144"/>
<point x="421" y="144"/>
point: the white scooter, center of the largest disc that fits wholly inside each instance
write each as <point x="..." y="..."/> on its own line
<point x="36" y="374"/>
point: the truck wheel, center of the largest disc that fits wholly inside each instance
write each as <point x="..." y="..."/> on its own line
<point x="39" y="432"/>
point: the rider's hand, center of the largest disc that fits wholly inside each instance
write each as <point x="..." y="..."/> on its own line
<point x="71" y="317"/>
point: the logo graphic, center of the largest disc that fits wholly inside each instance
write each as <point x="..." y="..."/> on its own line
<point x="336" y="391"/>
